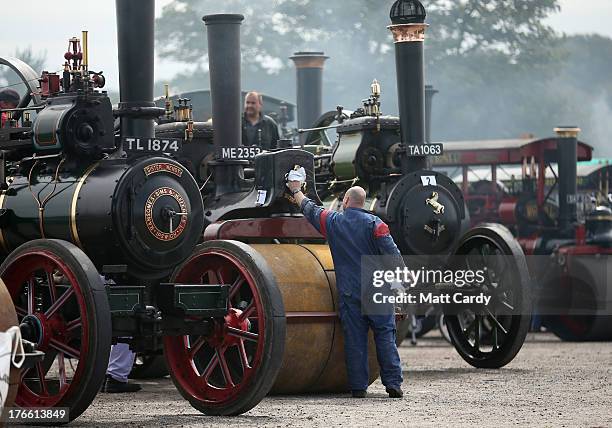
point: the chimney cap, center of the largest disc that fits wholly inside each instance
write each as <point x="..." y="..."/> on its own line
<point x="223" y="18"/>
<point x="309" y="53"/>
<point x="567" y="131"/>
<point x="407" y="12"/>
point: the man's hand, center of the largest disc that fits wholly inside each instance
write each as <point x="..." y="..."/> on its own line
<point x="295" y="180"/>
<point x="294" y="185"/>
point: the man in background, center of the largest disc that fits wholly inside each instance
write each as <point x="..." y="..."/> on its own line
<point x="257" y="128"/>
<point x="8" y="99"/>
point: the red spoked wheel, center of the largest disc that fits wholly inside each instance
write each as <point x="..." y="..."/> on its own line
<point x="62" y="307"/>
<point x="233" y="369"/>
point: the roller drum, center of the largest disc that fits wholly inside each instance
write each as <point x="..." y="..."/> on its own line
<point x="313" y="360"/>
<point x="286" y="295"/>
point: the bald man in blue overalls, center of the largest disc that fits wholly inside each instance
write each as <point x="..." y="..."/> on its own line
<point x="351" y="235"/>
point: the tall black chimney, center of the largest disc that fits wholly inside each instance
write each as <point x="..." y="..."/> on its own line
<point x="136" y="42"/>
<point x="408" y="28"/>
<point x="567" y="158"/>
<point x="429" y="94"/>
<point x="224" y="68"/>
<point x="309" y="70"/>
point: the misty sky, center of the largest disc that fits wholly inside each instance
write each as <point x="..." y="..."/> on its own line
<point x="35" y="29"/>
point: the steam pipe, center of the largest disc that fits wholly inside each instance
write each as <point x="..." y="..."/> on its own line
<point x="309" y="71"/>
<point x="136" y="41"/>
<point x="567" y="151"/>
<point x="224" y="69"/>
<point x="408" y="29"/>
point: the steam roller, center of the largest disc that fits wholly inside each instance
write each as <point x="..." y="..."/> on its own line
<point x="284" y="302"/>
<point x="282" y="332"/>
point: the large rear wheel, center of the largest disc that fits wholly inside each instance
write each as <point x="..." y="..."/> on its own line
<point x="490" y="336"/>
<point x="232" y="370"/>
<point x="62" y="307"/>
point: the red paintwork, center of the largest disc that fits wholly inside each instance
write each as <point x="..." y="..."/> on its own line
<point x="323" y="222"/>
<point x="584" y="250"/>
<point x="528" y="244"/>
<point x="201" y="364"/>
<point x="49" y="84"/>
<point x="381" y="230"/>
<point x="58" y="333"/>
<point x="481" y="155"/>
<point x="581" y="234"/>
<point x="507" y="211"/>
<point x="266" y="228"/>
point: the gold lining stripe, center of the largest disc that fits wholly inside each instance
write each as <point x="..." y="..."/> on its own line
<point x="73" y="206"/>
<point x="3" y="241"/>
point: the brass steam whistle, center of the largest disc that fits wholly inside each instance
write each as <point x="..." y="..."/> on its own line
<point x="169" y="105"/>
<point x="437" y="207"/>
<point x="375" y="89"/>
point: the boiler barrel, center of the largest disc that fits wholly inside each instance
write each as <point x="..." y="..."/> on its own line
<point x="126" y="204"/>
<point x="313" y="360"/>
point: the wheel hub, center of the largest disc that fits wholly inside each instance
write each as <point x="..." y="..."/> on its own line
<point x="32" y="329"/>
<point x="220" y="337"/>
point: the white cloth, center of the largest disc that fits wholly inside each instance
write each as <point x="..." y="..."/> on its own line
<point x="297" y="175"/>
<point x="11" y="352"/>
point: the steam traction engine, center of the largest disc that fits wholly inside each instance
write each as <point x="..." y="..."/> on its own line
<point x="90" y="237"/>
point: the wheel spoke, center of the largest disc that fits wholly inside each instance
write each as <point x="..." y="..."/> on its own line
<point x="496" y="321"/>
<point x="52" y="289"/>
<point x="61" y="364"/>
<point x="196" y="346"/>
<point x="65" y="348"/>
<point x="31" y="282"/>
<point x="248" y="312"/>
<point x="59" y="302"/>
<point x="41" y="378"/>
<point x="477" y="333"/>
<point x="73" y="325"/>
<point x="220" y="277"/>
<point x="469" y="328"/>
<point x="210" y="367"/>
<point x="212" y="277"/>
<point x="506" y="304"/>
<point x="495" y="339"/>
<point x="247" y="335"/>
<point x="235" y="287"/>
<point x="243" y="356"/>
<point x="225" y="368"/>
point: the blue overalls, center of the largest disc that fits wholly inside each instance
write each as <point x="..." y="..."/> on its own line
<point x="350" y="235"/>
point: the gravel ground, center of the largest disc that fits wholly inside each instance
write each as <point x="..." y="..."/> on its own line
<point x="550" y="383"/>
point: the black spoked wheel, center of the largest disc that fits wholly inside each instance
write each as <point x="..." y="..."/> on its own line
<point x="490" y="336"/>
<point x="62" y="307"/>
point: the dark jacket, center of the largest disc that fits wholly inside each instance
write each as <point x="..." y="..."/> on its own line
<point x="350" y="235"/>
<point x="266" y="135"/>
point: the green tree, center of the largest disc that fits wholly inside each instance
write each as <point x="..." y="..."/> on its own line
<point x="273" y="29"/>
<point x="500" y="70"/>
